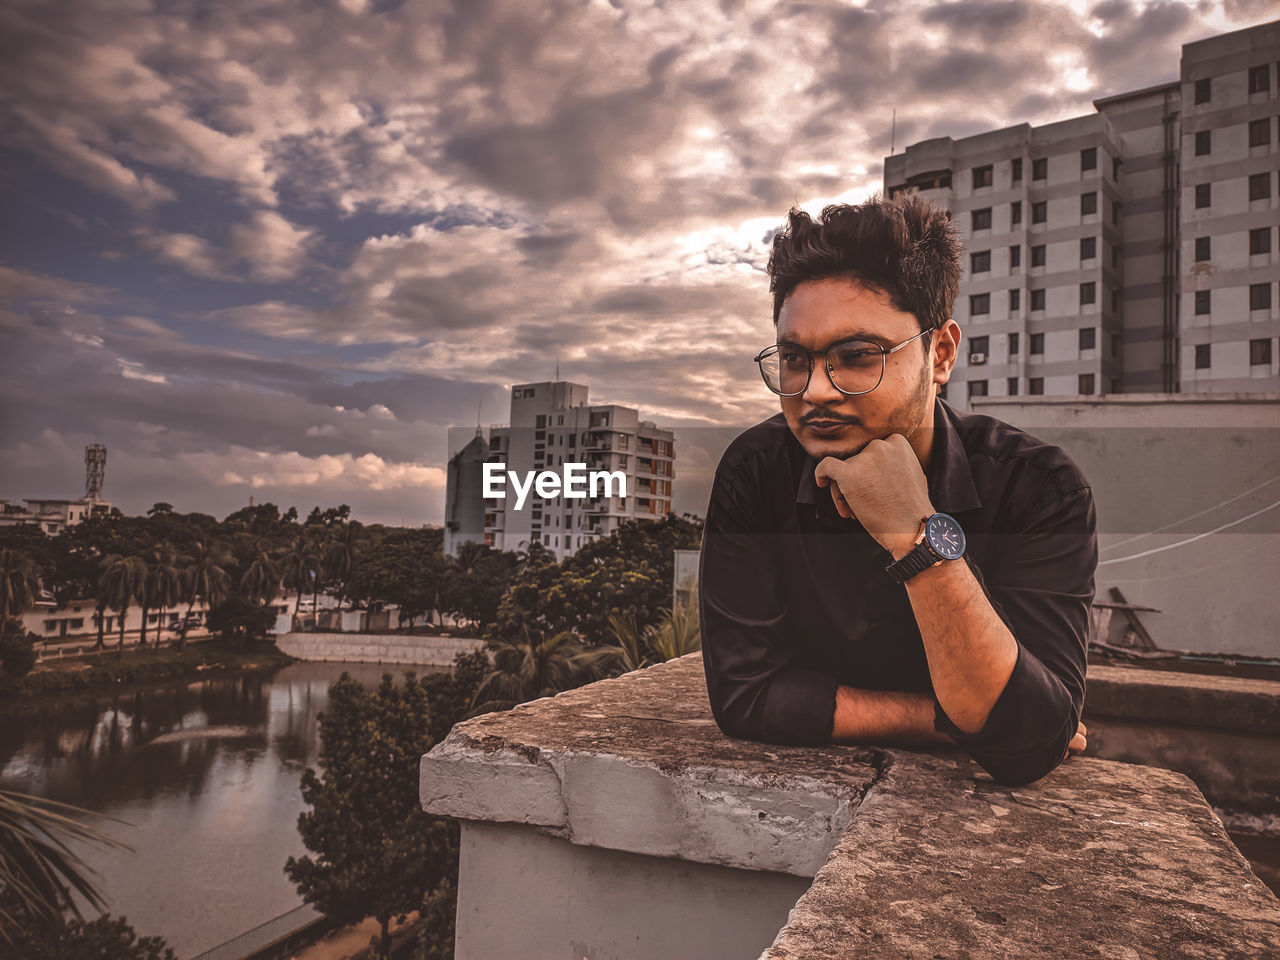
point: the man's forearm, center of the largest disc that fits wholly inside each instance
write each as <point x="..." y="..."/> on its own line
<point x="970" y="651"/>
<point x="884" y="716"/>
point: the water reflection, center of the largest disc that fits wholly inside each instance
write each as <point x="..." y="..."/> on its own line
<point x="208" y="775"/>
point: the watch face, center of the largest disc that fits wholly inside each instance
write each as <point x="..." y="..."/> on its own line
<point x="945" y="536"/>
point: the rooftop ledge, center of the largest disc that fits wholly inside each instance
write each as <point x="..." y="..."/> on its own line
<point x="617" y="821"/>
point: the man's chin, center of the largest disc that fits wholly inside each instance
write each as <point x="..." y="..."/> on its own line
<point x="840" y="449"/>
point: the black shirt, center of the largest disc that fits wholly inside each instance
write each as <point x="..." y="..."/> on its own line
<point x="795" y="599"/>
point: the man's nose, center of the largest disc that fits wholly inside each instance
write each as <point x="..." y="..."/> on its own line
<point x="821" y="391"/>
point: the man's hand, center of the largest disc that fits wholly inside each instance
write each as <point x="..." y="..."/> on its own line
<point x="884" y="487"/>
<point x="1078" y="742"/>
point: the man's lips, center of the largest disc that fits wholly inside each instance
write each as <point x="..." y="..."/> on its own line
<point x="827" y="424"/>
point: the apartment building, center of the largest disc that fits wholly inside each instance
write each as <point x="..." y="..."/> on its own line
<point x="51" y="516"/>
<point x="1129" y="250"/>
<point x="552" y="423"/>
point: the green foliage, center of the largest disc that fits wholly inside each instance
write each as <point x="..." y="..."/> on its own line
<point x="240" y="620"/>
<point x="19" y="583"/>
<point x="17" y="649"/>
<point x="376" y="852"/>
<point x="104" y="938"/>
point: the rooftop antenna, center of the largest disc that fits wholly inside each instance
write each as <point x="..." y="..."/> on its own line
<point x="557" y="366"/>
<point x="478" y="430"/>
<point x="95" y="469"/>
<point x="893" y="132"/>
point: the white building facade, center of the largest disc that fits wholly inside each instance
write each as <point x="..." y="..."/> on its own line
<point x="552" y="423"/>
<point x="1131" y="250"/>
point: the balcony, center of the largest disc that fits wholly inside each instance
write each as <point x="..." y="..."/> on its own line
<point x="625" y="823"/>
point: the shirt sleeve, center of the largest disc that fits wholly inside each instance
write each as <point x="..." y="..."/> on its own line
<point x="1041" y="583"/>
<point x="757" y="690"/>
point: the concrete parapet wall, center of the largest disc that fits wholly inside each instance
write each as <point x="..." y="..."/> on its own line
<point x="377" y="647"/>
<point x="625" y="823"/>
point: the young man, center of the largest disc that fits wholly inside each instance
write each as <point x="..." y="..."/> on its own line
<point x="877" y="568"/>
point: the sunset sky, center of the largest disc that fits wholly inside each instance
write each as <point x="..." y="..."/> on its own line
<point x="278" y="249"/>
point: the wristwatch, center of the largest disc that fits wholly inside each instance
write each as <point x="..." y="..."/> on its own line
<point x="941" y="538"/>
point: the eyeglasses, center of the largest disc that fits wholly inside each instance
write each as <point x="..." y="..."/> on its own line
<point x="853" y="366"/>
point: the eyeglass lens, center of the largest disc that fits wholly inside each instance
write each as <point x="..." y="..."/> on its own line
<point x="856" y="367"/>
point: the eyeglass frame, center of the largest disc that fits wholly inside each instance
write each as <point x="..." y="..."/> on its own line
<point x="884" y="354"/>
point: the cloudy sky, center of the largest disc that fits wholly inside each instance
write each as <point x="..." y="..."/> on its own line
<point x="277" y="249"/>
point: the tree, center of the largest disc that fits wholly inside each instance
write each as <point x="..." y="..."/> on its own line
<point x="534" y="666"/>
<point x="37" y="869"/>
<point x="377" y="853"/>
<point x="160" y="509"/>
<point x="163" y="584"/>
<point x="17" y="648"/>
<point x="121" y="582"/>
<point x="260" y="581"/>
<point x="241" y="620"/>
<point x="19" y="583"/>
<point x="301" y="568"/>
<point x="206" y="578"/>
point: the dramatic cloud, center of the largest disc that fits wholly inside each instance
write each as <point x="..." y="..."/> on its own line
<point x="279" y="251"/>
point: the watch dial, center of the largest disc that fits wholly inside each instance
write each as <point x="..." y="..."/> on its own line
<point x="945" y="536"/>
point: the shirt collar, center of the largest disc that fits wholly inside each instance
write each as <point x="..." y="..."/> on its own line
<point x="951" y="487"/>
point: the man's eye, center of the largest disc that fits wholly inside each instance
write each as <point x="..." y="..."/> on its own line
<point x="792" y="359"/>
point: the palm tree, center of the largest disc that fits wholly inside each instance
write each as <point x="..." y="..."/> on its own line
<point x="206" y="577"/>
<point x="630" y="642"/>
<point x="19" y="583"/>
<point x="341" y="554"/>
<point x="301" y="568"/>
<point x="260" y="581"/>
<point x="37" y="867"/>
<point x="164" y="584"/>
<point x="121" y="582"/>
<point x="528" y="668"/>
<point x="678" y="632"/>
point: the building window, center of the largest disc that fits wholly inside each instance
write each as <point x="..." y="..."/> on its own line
<point x="541" y="421"/>
<point x="1088" y="293"/>
<point x="1259" y="186"/>
<point x="980" y="345"/>
<point x="1088" y="248"/>
<point x="1259" y="296"/>
<point x="1202" y="248"/>
<point x="1037" y="344"/>
<point x="1037" y="255"/>
<point x="1039" y="211"/>
<point x="1202" y="91"/>
<point x="982" y="176"/>
<point x="1015" y="300"/>
<point x="1088" y="338"/>
<point x="982" y="219"/>
<point x="1035" y="386"/>
<point x="1259" y="133"/>
<point x="1202" y="195"/>
<point x="1260" y="352"/>
<point x="1202" y="143"/>
<point x="1115" y="344"/>
<point x="1015" y="212"/>
<point x="1015" y="256"/>
<point x="1260" y="240"/>
<point x="1202" y="303"/>
<point x="1088" y="159"/>
<point x="1088" y="203"/>
<point x="1013" y="344"/>
<point x="1040" y="169"/>
<point x="977" y="388"/>
<point x="1012" y="388"/>
<point x="1115" y="258"/>
<point x="1085" y="384"/>
<point x="1202" y="356"/>
<point x="980" y="262"/>
<point x="1115" y="211"/>
<point x="1115" y="169"/>
<point x="1017" y="169"/>
<point x="1260" y="79"/>
<point x="1037" y="299"/>
<point x="979" y="303"/>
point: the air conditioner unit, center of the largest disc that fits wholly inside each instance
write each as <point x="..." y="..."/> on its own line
<point x="976" y="359"/>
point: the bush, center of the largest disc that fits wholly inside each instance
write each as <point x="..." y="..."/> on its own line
<point x="17" y="649"/>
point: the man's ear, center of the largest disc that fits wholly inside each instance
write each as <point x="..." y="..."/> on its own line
<point x="946" y="348"/>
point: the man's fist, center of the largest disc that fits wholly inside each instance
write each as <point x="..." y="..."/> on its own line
<point x="1078" y="742"/>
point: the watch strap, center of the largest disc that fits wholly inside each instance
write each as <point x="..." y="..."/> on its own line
<point x="918" y="559"/>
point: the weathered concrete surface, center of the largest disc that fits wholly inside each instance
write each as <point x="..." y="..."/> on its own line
<point x="1192" y="699"/>
<point x="931" y="857"/>
<point x="376" y="647"/>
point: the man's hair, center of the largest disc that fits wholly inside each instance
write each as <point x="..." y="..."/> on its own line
<point x="905" y="247"/>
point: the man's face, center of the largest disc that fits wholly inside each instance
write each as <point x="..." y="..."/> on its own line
<point x="817" y="314"/>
